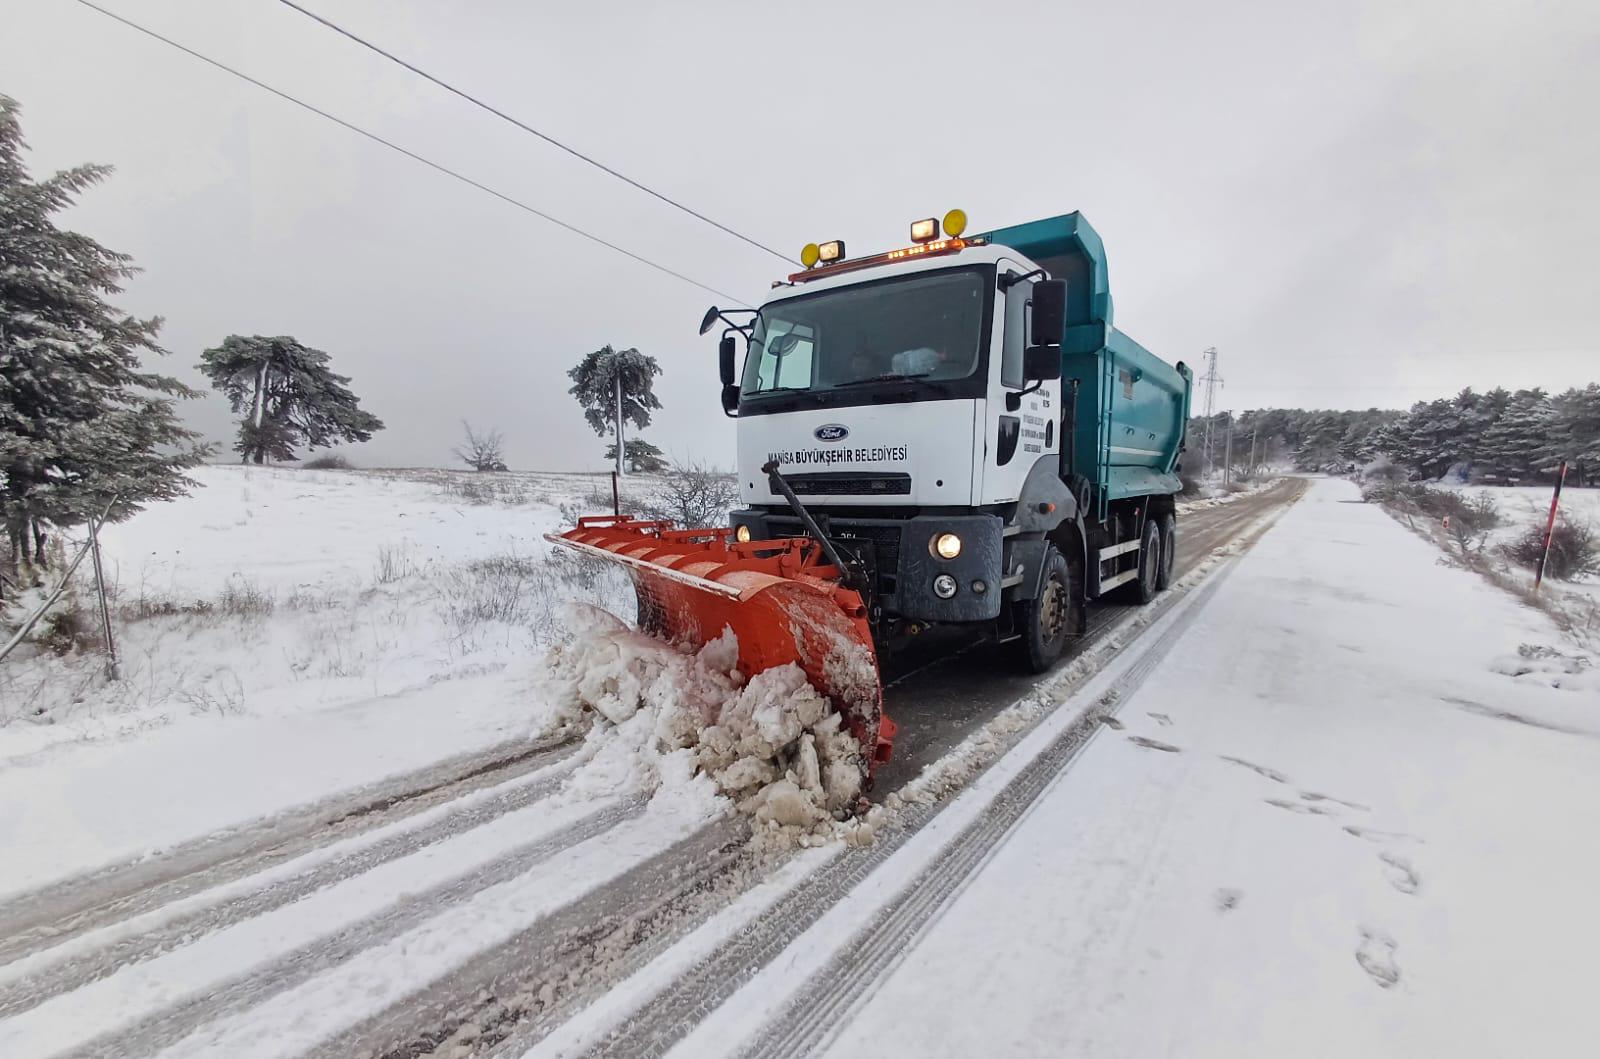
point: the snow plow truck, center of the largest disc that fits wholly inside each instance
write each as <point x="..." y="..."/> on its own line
<point x="948" y="433"/>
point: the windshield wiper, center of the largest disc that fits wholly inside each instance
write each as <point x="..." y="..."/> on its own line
<point x="888" y="377"/>
<point x="784" y="389"/>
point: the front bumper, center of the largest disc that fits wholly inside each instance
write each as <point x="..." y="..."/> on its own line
<point x="899" y="550"/>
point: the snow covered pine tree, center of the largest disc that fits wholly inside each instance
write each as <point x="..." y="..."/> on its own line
<point x="288" y="396"/>
<point x="81" y="421"/>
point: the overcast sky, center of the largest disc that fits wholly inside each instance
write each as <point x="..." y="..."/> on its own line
<point x="1358" y="204"/>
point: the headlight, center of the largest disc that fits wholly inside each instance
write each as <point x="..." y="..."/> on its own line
<point x="944" y="586"/>
<point x="742" y="534"/>
<point x="947" y="546"/>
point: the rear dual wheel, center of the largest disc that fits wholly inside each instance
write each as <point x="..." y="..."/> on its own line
<point x="1158" y="547"/>
<point x="1169" y="551"/>
<point x="1143" y="588"/>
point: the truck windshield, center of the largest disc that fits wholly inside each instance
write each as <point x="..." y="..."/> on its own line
<point x="927" y="327"/>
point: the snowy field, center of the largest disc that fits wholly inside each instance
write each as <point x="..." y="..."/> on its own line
<point x="359" y="624"/>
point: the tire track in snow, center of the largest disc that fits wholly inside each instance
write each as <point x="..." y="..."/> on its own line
<point x="814" y="1015"/>
<point x="77" y="969"/>
<point x="570" y="950"/>
<point x="165" y="1027"/>
<point x="46" y="916"/>
<point x="660" y="1024"/>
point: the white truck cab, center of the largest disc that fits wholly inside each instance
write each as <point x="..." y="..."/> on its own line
<point x="890" y="388"/>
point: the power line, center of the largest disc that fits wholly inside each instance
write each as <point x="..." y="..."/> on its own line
<point x="375" y="138"/>
<point x="547" y="138"/>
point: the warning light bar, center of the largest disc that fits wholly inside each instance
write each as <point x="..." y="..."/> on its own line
<point x="933" y="249"/>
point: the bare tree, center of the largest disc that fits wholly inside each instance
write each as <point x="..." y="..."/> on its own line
<point x="481" y="452"/>
<point x="695" y="495"/>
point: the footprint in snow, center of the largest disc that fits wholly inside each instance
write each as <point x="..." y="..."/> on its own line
<point x="1260" y="770"/>
<point x="1401" y="875"/>
<point x="1153" y="744"/>
<point x="1228" y="900"/>
<point x="1303" y="808"/>
<point x="1373" y="834"/>
<point x="1313" y="796"/>
<point x="1160" y="718"/>
<point x="1111" y="722"/>
<point x="1375" y="954"/>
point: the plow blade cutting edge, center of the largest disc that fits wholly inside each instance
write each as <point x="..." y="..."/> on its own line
<point x="780" y="601"/>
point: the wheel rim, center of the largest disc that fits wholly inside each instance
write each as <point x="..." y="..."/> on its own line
<point x="1053" y="609"/>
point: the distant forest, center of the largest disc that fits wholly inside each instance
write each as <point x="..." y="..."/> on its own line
<point x="1497" y="437"/>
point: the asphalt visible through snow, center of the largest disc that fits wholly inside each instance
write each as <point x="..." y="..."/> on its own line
<point x="949" y="685"/>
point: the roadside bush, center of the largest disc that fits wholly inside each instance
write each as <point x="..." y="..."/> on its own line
<point x="243" y="598"/>
<point x="68" y="626"/>
<point x="694" y="495"/>
<point x="328" y="461"/>
<point x="1574" y="550"/>
<point x="394" y="564"/>
<point x="1470" y="516"/>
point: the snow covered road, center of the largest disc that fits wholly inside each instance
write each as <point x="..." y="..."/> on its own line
<point x="1297" y="807"/>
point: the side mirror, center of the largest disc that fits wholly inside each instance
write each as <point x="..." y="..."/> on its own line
<point x="730" y="399"/>
<point x="725" y="355"/>
<point x="1041" y="363"/>
<point x="709" y="320"/>
<point x="1049" y="321"/>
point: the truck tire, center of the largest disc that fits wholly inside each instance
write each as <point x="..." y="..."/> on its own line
<point x="1045" y="622"/>
<point x="1142" y="589"/>
<point x="1169" y="551"/>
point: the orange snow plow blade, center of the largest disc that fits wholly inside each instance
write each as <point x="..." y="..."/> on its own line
<point x="779" y="600"/>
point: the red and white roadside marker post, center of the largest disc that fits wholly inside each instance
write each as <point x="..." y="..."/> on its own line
<point x="1550" y="526"/>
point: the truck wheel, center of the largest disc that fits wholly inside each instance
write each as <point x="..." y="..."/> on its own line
<point x="1142" y="589"/>
<point x="1046" y="621"/>
<point x="1169" y="551"/>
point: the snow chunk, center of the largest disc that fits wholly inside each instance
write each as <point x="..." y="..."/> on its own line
<point x="685" y="724"/>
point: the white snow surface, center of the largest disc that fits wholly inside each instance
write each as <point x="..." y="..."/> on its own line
<point x="356" y="625"/>
<point x="1329" y="827"/>
<point x="282" y="528"/>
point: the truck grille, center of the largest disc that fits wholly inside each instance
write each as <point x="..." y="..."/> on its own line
<point x="850" y="484"/>
<point x="884" y="541"/>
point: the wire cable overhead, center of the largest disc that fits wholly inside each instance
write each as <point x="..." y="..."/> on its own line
<point x="414" y="156"/>
<point x="503" y="116"/>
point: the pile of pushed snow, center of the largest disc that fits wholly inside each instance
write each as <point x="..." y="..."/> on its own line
<point x="691" y="722"/>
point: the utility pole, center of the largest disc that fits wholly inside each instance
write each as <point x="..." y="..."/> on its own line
<point x="1253" y="432"/>
<point x="1211" y="380"/>
<point x="1227" y="455"/>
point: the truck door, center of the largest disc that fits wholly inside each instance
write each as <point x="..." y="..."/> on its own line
<point x="1015" y="437"/>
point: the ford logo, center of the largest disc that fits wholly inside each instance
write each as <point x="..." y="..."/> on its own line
<point x="831" y="432"/>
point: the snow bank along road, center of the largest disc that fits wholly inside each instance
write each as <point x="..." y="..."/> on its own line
<point x="475" y="908"/>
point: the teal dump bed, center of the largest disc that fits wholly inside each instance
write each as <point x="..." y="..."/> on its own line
<point x="1132" y="406"/>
